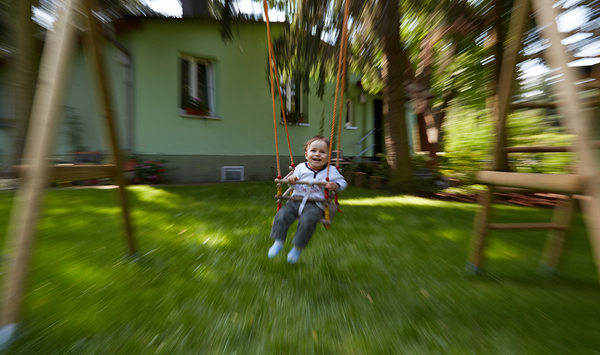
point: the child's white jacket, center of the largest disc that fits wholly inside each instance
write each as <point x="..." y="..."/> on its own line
<point x="305" y="173"/>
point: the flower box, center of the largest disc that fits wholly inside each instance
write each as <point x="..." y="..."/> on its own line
<point x="196" y="111"/>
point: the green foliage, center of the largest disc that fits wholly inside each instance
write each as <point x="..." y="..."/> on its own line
<point x="383" y="168"/>
<point x="470" y="139"/>
<point x="386" y="279"/>
<point x="469" y="142"/>
<point x="364" y="168"/>
<point x="426" y="175"/>
<point x="534" y="128"/>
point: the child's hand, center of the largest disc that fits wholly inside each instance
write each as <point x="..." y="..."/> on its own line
<point x="331" y="186"/>
<point x="292" y="179"/>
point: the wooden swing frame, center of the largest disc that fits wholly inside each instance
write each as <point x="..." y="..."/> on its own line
<point x="35" y="175"/>
<point x="577" y="114"/>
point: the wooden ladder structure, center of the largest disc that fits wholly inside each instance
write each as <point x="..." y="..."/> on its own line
<point x="37" y="173"/>
<point x="577" y="114"/>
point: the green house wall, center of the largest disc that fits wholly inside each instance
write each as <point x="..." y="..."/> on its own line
<point x="143" y="73"/>
<point x="6" y="119"/>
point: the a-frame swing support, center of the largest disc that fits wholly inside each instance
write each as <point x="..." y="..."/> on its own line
<point x="576" y="118"/>
<point x="45" y="119"/>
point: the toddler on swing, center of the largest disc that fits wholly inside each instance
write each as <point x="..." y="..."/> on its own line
<point x="316" y="152"/>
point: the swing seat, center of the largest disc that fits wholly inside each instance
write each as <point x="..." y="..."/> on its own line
<point x="333" y="207"/>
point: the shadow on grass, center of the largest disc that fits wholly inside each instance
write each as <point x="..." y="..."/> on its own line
<point x="387" y="278"/>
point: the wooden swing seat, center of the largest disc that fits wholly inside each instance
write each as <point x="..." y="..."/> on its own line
<point x="333" y="207"/>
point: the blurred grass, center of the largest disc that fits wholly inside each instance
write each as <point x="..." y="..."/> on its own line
<point x="388" y="278"/>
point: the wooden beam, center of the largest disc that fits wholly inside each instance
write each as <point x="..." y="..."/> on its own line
<point x="536" y="149"/>
<point x="540" y="149"/>
<point x="518" y="23"/>
<point x="576" y="119"/>
<point x="106" y="112"/>
<point x="74" y="172"/>
<point x="479" y="234"/>
<point x="284" y="181"/>
<point x="564" y="183"/>
<point x="300" y="198"/>
<point x="588" y="102"/>
<point x="514" y="190"/>
<point x="45" y="118"/>
<point x="532" y="105"/>
<point x="525" y="226"/>
<point x="325" y="222"/>
<point x="563" y="213"/>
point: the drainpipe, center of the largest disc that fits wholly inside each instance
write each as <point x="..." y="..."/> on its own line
<point x="129" y="89"/>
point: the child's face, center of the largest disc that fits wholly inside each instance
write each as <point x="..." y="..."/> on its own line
<point x="316" y="154"/>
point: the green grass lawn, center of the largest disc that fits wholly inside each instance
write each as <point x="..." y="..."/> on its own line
<point x="388" y="278"/>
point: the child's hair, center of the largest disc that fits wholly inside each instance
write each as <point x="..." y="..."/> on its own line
<point x="314" y="139"/>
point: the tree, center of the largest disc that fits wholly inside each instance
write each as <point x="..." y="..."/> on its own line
<point x="378" y="34"/>
<point x="303" y="53"/>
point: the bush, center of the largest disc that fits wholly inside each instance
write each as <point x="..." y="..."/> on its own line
<point x="365" y="168"/>
<point x="425" y="176"/>
<point x="149" y="171"/>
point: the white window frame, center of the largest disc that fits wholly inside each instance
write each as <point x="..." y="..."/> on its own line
<point x="193" y="78"/>
<point x="289" y="99"/>
<point x="288" y="104"/>
<point x="349" y="117"/>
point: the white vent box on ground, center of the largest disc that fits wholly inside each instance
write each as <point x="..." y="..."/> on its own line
<point x="232" y="173"/>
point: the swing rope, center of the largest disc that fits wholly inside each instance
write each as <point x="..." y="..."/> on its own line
<point x="341" y="74"/>
<point x="273" y="70"/>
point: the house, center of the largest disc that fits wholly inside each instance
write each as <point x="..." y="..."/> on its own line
<point x="155" y="64"/>
<point x="6" y="117"/>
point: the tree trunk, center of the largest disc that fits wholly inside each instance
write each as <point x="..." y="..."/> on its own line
<point x="396" y="135"/>
<point x="422" y="129"/>
<point x="433" y="133"/>
<point x="428" y="129"/>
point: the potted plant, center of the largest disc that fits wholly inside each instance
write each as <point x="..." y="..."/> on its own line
<point x="294" y="117"/>
<point x="149" y="171"/>
<point x="196" y="107"/>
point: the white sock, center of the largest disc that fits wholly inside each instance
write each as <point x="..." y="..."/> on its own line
<point x="294" y="255"/>
<point x="275" y="248"/>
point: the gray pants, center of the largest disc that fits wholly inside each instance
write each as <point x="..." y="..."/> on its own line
<point x="306" y="223"/>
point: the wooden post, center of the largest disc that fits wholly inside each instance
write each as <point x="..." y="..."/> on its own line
<point x="518" y="22"/>
<point x="576" y="120"/>
<point x="106" y="111"/>
<point x="556" y="237"/>
<point x="45" y="117"/>
<point x="482" y="218"/>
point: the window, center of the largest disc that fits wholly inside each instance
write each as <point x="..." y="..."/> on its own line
<point x="294" y="101"/>
<point x="349" y="118"/>
<point x="7" y="103"/>
<point x="348" y="113"/>
<point x="197" y="81"/>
